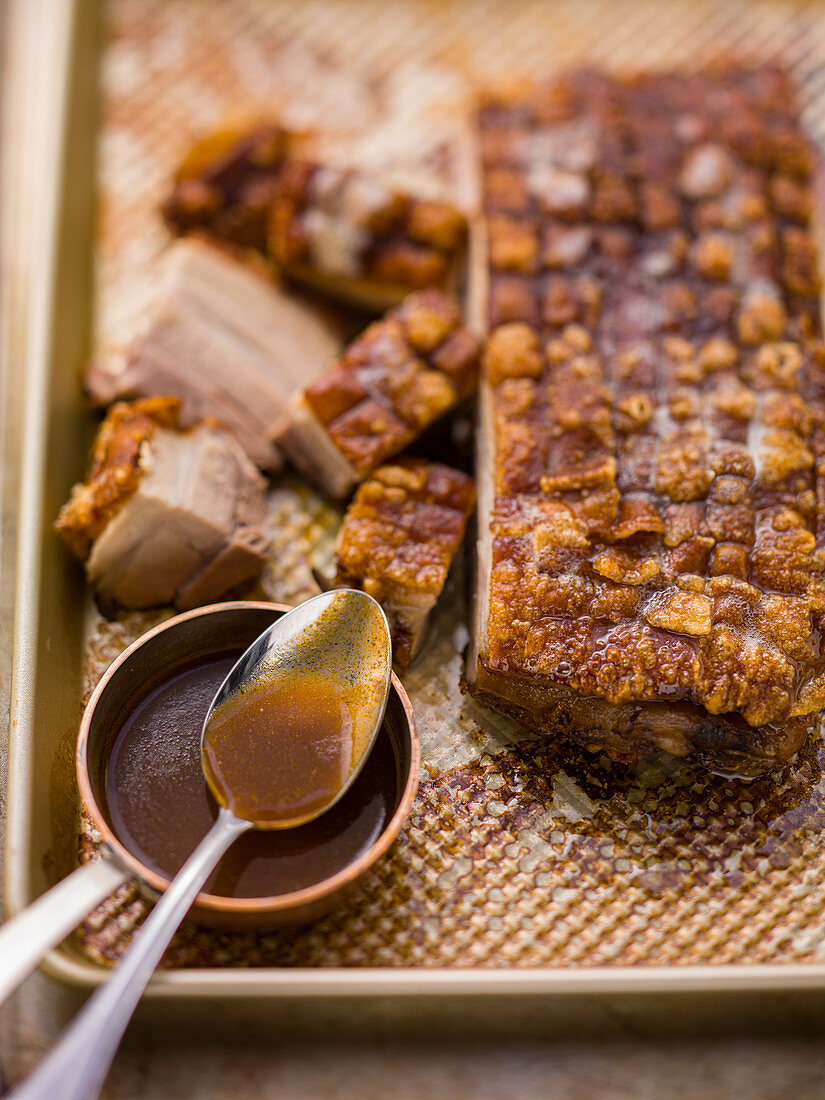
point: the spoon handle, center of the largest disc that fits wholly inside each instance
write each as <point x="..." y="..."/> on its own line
<point x="26" y="938"/>
<point x="76" y="1066"/>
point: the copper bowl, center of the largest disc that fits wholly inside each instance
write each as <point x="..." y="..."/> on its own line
<point x="160" y="653"/>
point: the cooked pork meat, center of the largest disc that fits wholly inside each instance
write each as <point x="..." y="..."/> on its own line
<point x="345" y="233"/>
<point x="652" y="436"/>
<point x="166" y="516"/>
<point x="227" y="182"/>
<point x="340" y="231"/>
<point x="398" y="540"/>
<point x="399" y="376"/>
<point x="228" y="343"/>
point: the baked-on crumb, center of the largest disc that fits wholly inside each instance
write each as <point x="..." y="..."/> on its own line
<point x="653" y="528"/>
<point x="398" y="540"/>
<point x="392" y="382"/>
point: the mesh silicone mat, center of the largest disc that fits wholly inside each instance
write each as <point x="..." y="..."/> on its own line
<point x="517" y="853"/>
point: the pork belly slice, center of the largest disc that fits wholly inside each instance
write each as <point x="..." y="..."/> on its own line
<point x="346" y="234"/>
<point x="398" y="540"/>
<point x="226" y="341"/>
<point x="227" y="181"/>
<point x="166" y="516"/>
<point x="652" y="427"/>
<point x="341" y="231"/>
<point x="399" y="376"/>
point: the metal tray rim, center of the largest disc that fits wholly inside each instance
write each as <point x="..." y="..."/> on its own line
<point x="397" y="982"/>
<point x="68" y="22"/>
<point x="38" y="345"/>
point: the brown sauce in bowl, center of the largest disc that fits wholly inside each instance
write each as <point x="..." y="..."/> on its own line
<point x="160" y="807"/>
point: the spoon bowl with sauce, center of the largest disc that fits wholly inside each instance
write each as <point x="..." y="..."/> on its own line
<point x="291" y="727"/>
<point x="284" y="740"/>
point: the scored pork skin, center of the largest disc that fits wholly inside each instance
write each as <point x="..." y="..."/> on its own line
<point x="398" y="540"/>
<point x="399" y="376"/>
<point x="651" y="426"/>
<point x="228" y="342"/>
<point x="345" y="233"/>
<point x="166" y="516"/>
<point x="227" y="181"/>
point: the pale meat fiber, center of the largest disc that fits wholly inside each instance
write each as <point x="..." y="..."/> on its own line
<point x="228" y="343"/>
<point x="651" y="442"/>
<point x="335" y="245"/>
<point x="337" y="220"/>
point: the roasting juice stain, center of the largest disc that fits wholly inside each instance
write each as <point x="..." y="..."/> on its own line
<point x="160" y="806"/>
<point x="661" y="825"/>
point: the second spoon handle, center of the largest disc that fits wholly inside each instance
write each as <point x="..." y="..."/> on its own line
<point x="76" y="1067"/>
<point x="26" y="938"/>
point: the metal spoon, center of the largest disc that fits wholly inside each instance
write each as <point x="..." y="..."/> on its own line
<point x="343" y="634"/>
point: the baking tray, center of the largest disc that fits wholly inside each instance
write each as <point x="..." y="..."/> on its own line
<point x="525" y="868"/>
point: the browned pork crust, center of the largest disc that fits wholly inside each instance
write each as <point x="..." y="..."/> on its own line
<point x="346" y="233"/>
<point x="400" y="375"/>
<point x="651" y="566"/>
<point x="399" y="538"/>
<point x="227" y="182"/>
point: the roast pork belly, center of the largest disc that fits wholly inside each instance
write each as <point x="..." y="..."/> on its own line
<point x="340" y="230"/>
<point x="227" y="182"/>
<point x="398" y="540"/>
<point x="400" y="375"/>
<point x="226" y="341"/>
<point x="166" y="516"/>
<point x="652" y="425"/>
<point x="345" y="233"/>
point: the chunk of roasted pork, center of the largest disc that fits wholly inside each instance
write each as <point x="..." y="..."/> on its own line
<point x="396" y="379"/>
<point x="166" y="516"/>
<point x="342" y="231"/>
<point x="227" y="342"/>
<point x="652" y="437"/>
<point x="398" y="540"/>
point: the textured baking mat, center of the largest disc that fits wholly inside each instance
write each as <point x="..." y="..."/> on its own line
<point x="517" y="853"/>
